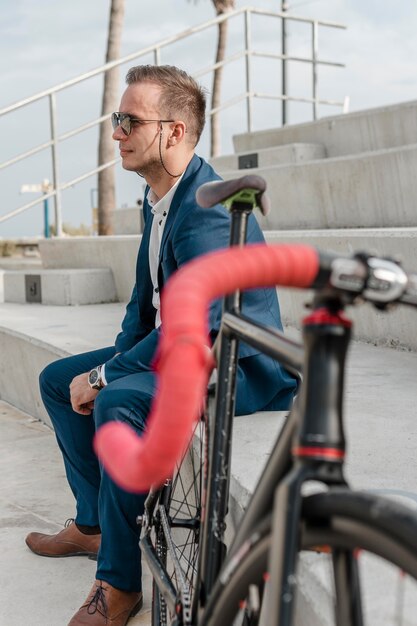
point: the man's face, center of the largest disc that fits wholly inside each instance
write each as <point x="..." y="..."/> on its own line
<point x="140" y="149"/>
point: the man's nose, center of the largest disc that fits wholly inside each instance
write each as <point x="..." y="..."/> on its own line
<point x="118" y="134"/>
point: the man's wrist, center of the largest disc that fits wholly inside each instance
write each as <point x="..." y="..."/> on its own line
<point x="95" y="378"/>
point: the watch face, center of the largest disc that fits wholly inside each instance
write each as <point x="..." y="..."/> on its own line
<point x="93" y="377"/>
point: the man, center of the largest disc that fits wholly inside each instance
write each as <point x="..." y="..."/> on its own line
<point x="160" y="121"/>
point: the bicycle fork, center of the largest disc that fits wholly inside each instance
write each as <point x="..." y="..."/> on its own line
<point x="318" y="453"/>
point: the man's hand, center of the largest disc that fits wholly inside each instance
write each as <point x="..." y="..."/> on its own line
<point x="82" y="396"/>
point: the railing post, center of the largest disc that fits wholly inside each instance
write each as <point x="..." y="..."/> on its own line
<point x="157" y="56"/>
<point x="55" y="168"/>
<point x="284" y="7"/>
<point x="248" y="70"/>
<point x="315" y="54"/>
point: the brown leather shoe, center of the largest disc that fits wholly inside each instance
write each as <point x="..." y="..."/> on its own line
<point x="68" y="542"/>
<point x="107" y="606"/>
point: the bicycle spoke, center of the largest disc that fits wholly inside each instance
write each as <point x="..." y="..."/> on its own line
<point x="183" y="516"/>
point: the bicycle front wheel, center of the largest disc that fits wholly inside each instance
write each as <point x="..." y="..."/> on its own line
<point x="379" y="535"/>
<point x="177" y="541"/>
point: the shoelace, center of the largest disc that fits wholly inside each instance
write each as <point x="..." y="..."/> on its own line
<point x="97" y="598"/>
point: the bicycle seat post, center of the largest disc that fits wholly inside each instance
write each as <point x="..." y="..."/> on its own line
<point x="213" y="549"/>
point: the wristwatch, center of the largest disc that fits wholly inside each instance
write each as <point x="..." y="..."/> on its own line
<point x="94" y="378"/>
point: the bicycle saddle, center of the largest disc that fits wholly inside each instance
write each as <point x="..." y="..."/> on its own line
<point x="246" y="189"/>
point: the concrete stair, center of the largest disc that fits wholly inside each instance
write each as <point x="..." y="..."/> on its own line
<point x="65" y="287"/>
<point x="367" y="190"/>
<point x="335" y="201"/>
<point x="362" y="131"/>
<point x="357" y="192"/>
<point x="276" y="155"/>
<point x="118" y="253"/>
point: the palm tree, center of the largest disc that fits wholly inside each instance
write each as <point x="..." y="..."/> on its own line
<point x="221" y="6"/>
<point x="106" y="178"/>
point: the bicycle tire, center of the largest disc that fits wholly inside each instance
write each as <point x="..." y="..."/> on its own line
<point x="182" y="501"/>
<point x="371" y="526"/>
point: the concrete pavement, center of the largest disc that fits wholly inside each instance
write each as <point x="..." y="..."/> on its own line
<point x="34" y="590"/>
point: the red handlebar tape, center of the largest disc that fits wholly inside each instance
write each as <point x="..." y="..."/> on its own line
<point x="184" y="362"/>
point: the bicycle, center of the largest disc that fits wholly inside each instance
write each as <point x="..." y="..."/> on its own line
<point x="195" y="582"/>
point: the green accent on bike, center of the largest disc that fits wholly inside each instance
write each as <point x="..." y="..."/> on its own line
<point x="246" y="196"/>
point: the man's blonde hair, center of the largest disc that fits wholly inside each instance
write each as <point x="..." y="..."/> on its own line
<point x="181" y="96"/>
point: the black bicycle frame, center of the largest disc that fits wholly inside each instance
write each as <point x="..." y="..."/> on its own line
<point x="310" y="446"/>
<point x="235" y="327"/>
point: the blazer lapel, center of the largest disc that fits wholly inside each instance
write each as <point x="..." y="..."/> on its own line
<point x="143" y="276"/>
<point x="192" y="168"/>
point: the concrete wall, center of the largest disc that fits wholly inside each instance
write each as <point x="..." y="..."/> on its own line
<point x="373" y="129"/>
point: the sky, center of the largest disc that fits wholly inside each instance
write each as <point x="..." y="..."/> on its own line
<point x="46" y="42"/>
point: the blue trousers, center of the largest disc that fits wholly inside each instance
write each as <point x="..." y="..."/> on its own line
<point x="98" y="500"/>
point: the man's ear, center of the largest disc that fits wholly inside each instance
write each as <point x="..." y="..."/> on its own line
<point x="177" y="133"/>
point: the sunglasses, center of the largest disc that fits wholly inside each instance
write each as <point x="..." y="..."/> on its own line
<point x="125" y="121"/>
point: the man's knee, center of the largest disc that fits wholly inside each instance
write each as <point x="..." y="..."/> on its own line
<point x="113" y="406"/>
<point x="49" y="378"/>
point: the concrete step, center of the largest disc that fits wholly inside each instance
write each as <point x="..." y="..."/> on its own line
<point x="374" y="189"/>
<point x="264" y="157"/>
<point x="352" y="133"/>
<point x="119" y="253"/>
<point x="394" y="328"/>
<point x="115" y="252"/>
<point x="31" y="336"/>
<point x="60" y="287"/>
<point x="20" y="262"/>
<point x="17" y="263"/>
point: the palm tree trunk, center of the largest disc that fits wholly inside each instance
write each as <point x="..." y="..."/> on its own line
<point x="106" y="151"/>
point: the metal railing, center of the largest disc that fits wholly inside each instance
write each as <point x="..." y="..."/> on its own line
<point x="248" y="95"/>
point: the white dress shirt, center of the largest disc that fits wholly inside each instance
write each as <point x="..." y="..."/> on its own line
<point x="160" y="209"/>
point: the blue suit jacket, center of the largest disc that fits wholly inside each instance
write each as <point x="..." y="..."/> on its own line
<point x="189" y="232"/>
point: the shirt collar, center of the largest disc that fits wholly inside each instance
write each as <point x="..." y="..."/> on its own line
<point x="159" y="205"/>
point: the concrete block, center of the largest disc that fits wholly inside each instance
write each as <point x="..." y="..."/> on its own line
<point x="115" y="252"/>
<point x="376" y="189"/>
<point x="396" y="327"/>
<point x="60" y="287"/>
<point x="277" y="155"/>
<point x="128" y="221"/>
<point x="352" y="133"/>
